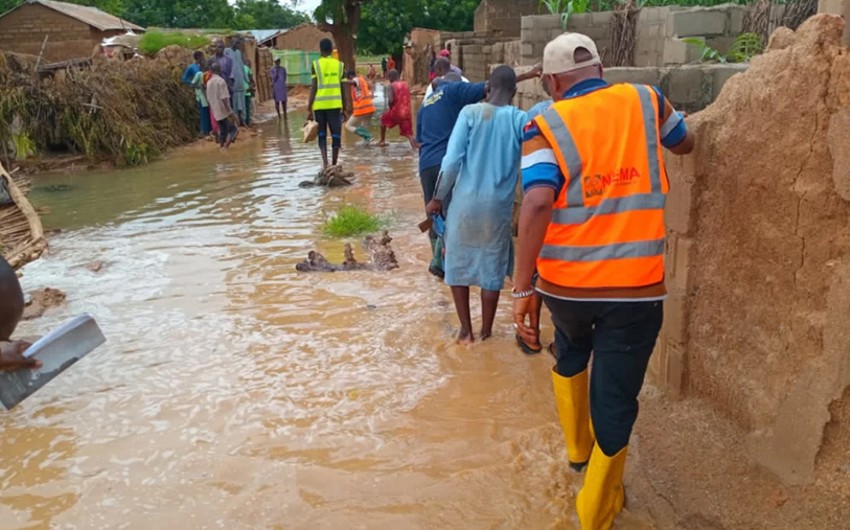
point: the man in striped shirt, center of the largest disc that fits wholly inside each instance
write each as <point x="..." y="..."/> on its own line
<point x="592" y="225"/>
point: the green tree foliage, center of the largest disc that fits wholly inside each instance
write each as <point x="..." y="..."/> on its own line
<point x="178" y="13"/>
<point x="266" y="14"/>
<point x="245" y="14"/>
<point x="385" y="23"/>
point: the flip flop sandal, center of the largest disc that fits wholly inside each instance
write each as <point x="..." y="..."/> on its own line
<point x="526" y="349"/>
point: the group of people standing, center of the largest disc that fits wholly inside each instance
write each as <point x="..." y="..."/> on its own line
<point x="224" y="89"/>
<point x="590" y="240"/>
<point x="327" y="107"/>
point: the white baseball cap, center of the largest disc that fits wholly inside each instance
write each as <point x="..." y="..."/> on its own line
<point x="559" y="54"/>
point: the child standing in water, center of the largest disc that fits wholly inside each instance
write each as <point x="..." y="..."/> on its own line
<point x="480" y="171"/>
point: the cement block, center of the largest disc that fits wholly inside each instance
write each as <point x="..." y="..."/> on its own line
<point x="695" y="23"/>
<point x="602" y="18"/>
<point x="721" y="44"/>
<point x="677" y="51"/>
<point x="644" y="76"/>
<point x="684" y="86"/>
<point x="736" y="19"/>
<point x="527" y="49"/>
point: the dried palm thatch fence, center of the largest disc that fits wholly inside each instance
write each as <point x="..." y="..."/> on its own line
<point x="21" y="234"/>
<point x="623" y="38"/>
<point x="765" y="16"/>
<point x="122" y="112"/>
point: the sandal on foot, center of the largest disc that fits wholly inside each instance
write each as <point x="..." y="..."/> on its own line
<point x="526" y="349"/>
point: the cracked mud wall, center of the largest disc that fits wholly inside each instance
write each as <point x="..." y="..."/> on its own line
<point x="758" y="320"/>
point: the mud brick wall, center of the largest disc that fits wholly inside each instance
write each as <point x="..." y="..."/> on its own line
<point x="305" y="37"/>
<point x="758" y="320"/>
<point x="502" y="17"/>
<point x="23" y="31"/>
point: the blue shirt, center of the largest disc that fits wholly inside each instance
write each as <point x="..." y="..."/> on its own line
<point x="437" y="117"/>
<point x="189" y="73"/>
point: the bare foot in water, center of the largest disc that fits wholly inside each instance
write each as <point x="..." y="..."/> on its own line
<point x="465" y="338"/>
<point x="486" y="334"/>
<point x="382" y="144"/>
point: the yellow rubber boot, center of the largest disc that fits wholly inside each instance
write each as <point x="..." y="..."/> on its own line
<point x="572" y="398"/>
<point x="601" y="498"/>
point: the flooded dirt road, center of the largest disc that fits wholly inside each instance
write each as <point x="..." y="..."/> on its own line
<point x="235" y="392"/>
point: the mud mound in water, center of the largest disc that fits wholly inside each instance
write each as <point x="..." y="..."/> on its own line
<point x="41" y="301"/>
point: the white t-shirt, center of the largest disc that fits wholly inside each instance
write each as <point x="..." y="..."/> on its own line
<point x="430" y="88"/>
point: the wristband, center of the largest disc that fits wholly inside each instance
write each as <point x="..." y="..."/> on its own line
<point x="521" y="294"/>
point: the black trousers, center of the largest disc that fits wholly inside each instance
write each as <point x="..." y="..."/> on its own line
<point x="621" y="337"/>
<point x="225" y="128"/>
<point x="329" y="118"/>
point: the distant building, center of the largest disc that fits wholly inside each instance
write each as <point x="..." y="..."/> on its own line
<point x="304" y="37"/>
<point x="71" y="30"/>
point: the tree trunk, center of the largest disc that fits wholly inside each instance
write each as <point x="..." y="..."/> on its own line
<point x="343" y="29"/>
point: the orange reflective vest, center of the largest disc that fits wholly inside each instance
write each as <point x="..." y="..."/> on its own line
<point x="607" y="226"/>
<point x="362" y="105"/>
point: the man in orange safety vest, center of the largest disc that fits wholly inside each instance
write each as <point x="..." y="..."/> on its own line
<point x="592" y="226"/>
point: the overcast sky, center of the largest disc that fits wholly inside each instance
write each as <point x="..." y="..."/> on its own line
<point x="308" y="5"/>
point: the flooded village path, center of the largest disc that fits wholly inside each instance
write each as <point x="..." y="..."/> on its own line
<point x="235" y="392"/>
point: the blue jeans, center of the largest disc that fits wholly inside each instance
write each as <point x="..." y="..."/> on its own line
<point x="206" y="123"/>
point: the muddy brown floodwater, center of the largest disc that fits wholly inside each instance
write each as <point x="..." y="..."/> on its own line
<point x="235" y="392"/>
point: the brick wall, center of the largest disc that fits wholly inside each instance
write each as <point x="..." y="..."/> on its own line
<point x="23" y="31"/>
<point x="305" y="37"/>
<point x="502" y="17"/>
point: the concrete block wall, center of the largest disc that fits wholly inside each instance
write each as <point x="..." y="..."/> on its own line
<point x="659" y="32"/>
<point x="502" y="17"/>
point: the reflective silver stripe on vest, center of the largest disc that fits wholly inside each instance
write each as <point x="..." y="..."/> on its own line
<point x="647" y="201"/>
<point x="650" y="124"/>
<point x="319" y="80"/>
<point x="326" y="98"/>
<point x="635" y="249"/>
<point x="568" y="150"/>
<point x="643" y="201"/>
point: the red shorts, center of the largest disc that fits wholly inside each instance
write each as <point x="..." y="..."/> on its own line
<point x="405" y="125"/>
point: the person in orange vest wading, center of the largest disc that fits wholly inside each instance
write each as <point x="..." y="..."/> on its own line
<point x="592" y="225"/>
<point x="361" y="98"/>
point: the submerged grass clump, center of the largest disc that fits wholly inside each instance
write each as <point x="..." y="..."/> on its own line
<point x="352" y="221"/>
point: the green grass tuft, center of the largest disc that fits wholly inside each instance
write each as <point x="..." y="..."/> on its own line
<point x="153" y="41"/>
<point x="351" y="221"/>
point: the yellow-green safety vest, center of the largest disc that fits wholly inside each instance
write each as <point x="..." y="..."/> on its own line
<point x="328" y="88"/>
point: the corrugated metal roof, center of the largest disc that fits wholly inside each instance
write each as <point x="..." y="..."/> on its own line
<point x="262" y="35"/>
<point x="90" y="15"/>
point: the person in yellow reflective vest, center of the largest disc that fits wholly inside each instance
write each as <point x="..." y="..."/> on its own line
<point x="325" y="103"/>
<point x="592" y="225"/>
